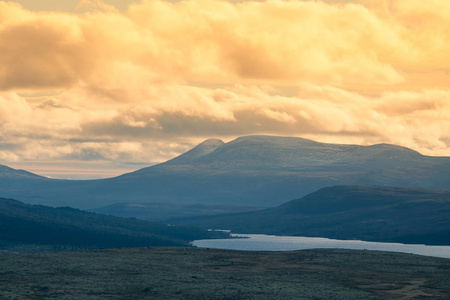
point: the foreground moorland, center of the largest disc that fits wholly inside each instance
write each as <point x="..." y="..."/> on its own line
<point x="193" y="273"/>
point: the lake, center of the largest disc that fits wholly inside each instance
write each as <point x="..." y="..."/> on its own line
<point x="262" y="242"/>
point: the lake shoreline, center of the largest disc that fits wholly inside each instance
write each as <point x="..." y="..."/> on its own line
<point x="262" y="242"/>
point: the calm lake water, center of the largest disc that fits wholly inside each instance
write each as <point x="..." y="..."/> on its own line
<point x="262" y="242"/>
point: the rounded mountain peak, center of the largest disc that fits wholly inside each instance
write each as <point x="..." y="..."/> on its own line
<point x="197" y="152"/>
<point x="210" y="143"/>
<point x="278" y="142"/>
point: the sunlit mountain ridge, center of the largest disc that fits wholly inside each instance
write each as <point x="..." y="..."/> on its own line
<point x="257" y="171"/>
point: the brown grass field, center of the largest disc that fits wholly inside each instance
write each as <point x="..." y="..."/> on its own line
<point x="194" y="273"/>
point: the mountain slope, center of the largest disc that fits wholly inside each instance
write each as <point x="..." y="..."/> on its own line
<point x="35" y="224"/>
<point x="10" y="173"/>
<point x="197" y="152"/>
<point x="280" y="153"/>
<point x="258" y="171"/>
<point x="371" y="213"/>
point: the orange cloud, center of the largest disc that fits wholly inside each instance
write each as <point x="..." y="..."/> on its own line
<point x="272" y="42"/>
<point x="62" y="126"/>
<point x="122" y="84"/>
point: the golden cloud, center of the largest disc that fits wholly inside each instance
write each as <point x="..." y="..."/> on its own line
<point x="185" y="114"/>
<point x="271" y="41"/>
<point x="124" y="83"/>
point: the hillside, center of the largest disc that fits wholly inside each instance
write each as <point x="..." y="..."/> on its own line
<point x="370" y="213"/>
<point x="10" y="173"/>
<point x="193" y="273"/>
<point x="256" y="171"/>
<point x="161" y="212"/>
<point x="31" y="227"/>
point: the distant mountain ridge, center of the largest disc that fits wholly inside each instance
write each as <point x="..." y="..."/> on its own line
<point x="281" y="153"/>
<point x="257" y="171"/>
<point x="270" y="152"/>
<point x="7" y="172"/>
<point x="369" y="213"/>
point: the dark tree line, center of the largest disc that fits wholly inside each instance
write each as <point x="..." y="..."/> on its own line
<point x="36" y="224"/>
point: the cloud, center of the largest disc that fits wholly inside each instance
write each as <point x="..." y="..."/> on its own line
<point x="199" y="40"/>
<point x="62" y="127"/>
<point x="95" y="5"/>
<point x="147" y="83"/>
<point x="364" y="42"/>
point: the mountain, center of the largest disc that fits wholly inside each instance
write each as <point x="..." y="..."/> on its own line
<point x="197" y="152"/>
<point x="257" y="171"/>
<point x="370" y="213"/>
<point x="281" y="153"/>
<point x="32" y="225"/>
<point x="10" y="173"/>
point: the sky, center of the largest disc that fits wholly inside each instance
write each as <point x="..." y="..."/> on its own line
<point x="92" y="89"/>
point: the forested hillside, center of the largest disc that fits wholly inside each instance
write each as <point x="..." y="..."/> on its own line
<point x="370" y="213"/>
<point x="68" y="228"/>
